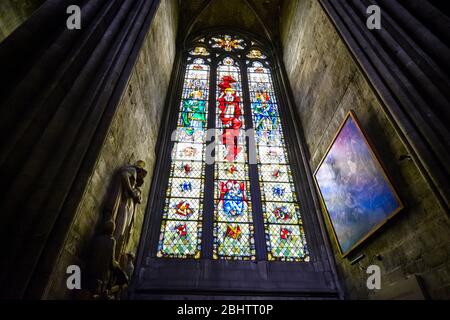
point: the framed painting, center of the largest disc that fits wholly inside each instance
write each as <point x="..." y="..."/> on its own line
<point x="356" y="193"/>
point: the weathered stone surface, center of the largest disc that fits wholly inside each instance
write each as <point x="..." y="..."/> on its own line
<point x="132" y="136"/>
<point x="13" y="13"/>
<point x="327" y="83"/>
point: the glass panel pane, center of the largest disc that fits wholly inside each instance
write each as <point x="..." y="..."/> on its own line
<point x="233" y="221"/>
<point x="256" y="54"/>
<point x="181" y="229"/>
<point x="180" y="239"/>
<point x="285" y="238"/>
<point x="286" y="242"/>
<point x="199" y="51"/>
<point x="227" y="43"/>
<point x="234" y="241"/>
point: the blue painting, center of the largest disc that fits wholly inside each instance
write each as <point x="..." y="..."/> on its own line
<point x="355" y="190"/>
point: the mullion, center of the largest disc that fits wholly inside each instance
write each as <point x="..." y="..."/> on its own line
<point x="208" y="200"/>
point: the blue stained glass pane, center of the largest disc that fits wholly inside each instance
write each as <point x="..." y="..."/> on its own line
<point x="283" y="192"/>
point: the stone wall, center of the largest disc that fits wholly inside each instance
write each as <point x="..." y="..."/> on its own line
<point x="132" y="136"/>
<point x="13" y="13"/>
<point x="327" y="83"/>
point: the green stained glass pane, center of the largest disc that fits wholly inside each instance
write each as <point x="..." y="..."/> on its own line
<point x="193" y="113"/>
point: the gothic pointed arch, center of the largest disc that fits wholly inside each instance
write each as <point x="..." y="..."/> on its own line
<point x="248" y="15"/>
<point x="239" y="218"/>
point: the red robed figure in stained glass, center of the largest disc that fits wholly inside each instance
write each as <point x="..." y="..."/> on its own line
<point x="230" y="112"/>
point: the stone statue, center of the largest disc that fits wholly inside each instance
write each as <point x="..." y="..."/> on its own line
<point x="105" y="277"/>
<point x="122" y="202"/>
<point x="110" y="267"/>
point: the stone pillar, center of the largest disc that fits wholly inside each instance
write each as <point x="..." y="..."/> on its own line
<point x="408" y="63"/>
<point x="58" y="93"/>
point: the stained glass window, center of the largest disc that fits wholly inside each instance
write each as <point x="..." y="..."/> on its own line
<point x="200" y="51"/>
<point x="219" y="194"/>
<point x="228" y="43"/>
<point x="285" y="237"/>
<point x="256" y="54"/>
<point x="181" y="228"/>
<point x="233" y="226"/>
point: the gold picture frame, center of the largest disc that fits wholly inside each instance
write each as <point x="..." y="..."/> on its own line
<point x="356" y="193"/>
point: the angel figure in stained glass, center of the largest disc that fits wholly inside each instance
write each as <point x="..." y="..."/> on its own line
<point x="233" y="200"/>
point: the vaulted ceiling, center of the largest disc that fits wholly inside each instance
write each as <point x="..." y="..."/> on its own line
<point x="260" y="17"/>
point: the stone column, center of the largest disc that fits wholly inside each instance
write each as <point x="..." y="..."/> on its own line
<point x="408" y="63"/>
<point x="58" y="93"/>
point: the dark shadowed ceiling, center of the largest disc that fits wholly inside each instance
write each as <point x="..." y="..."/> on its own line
<point x="260" y="17"/>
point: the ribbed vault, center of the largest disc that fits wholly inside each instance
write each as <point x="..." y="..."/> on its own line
<point x="260" y="17"/>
